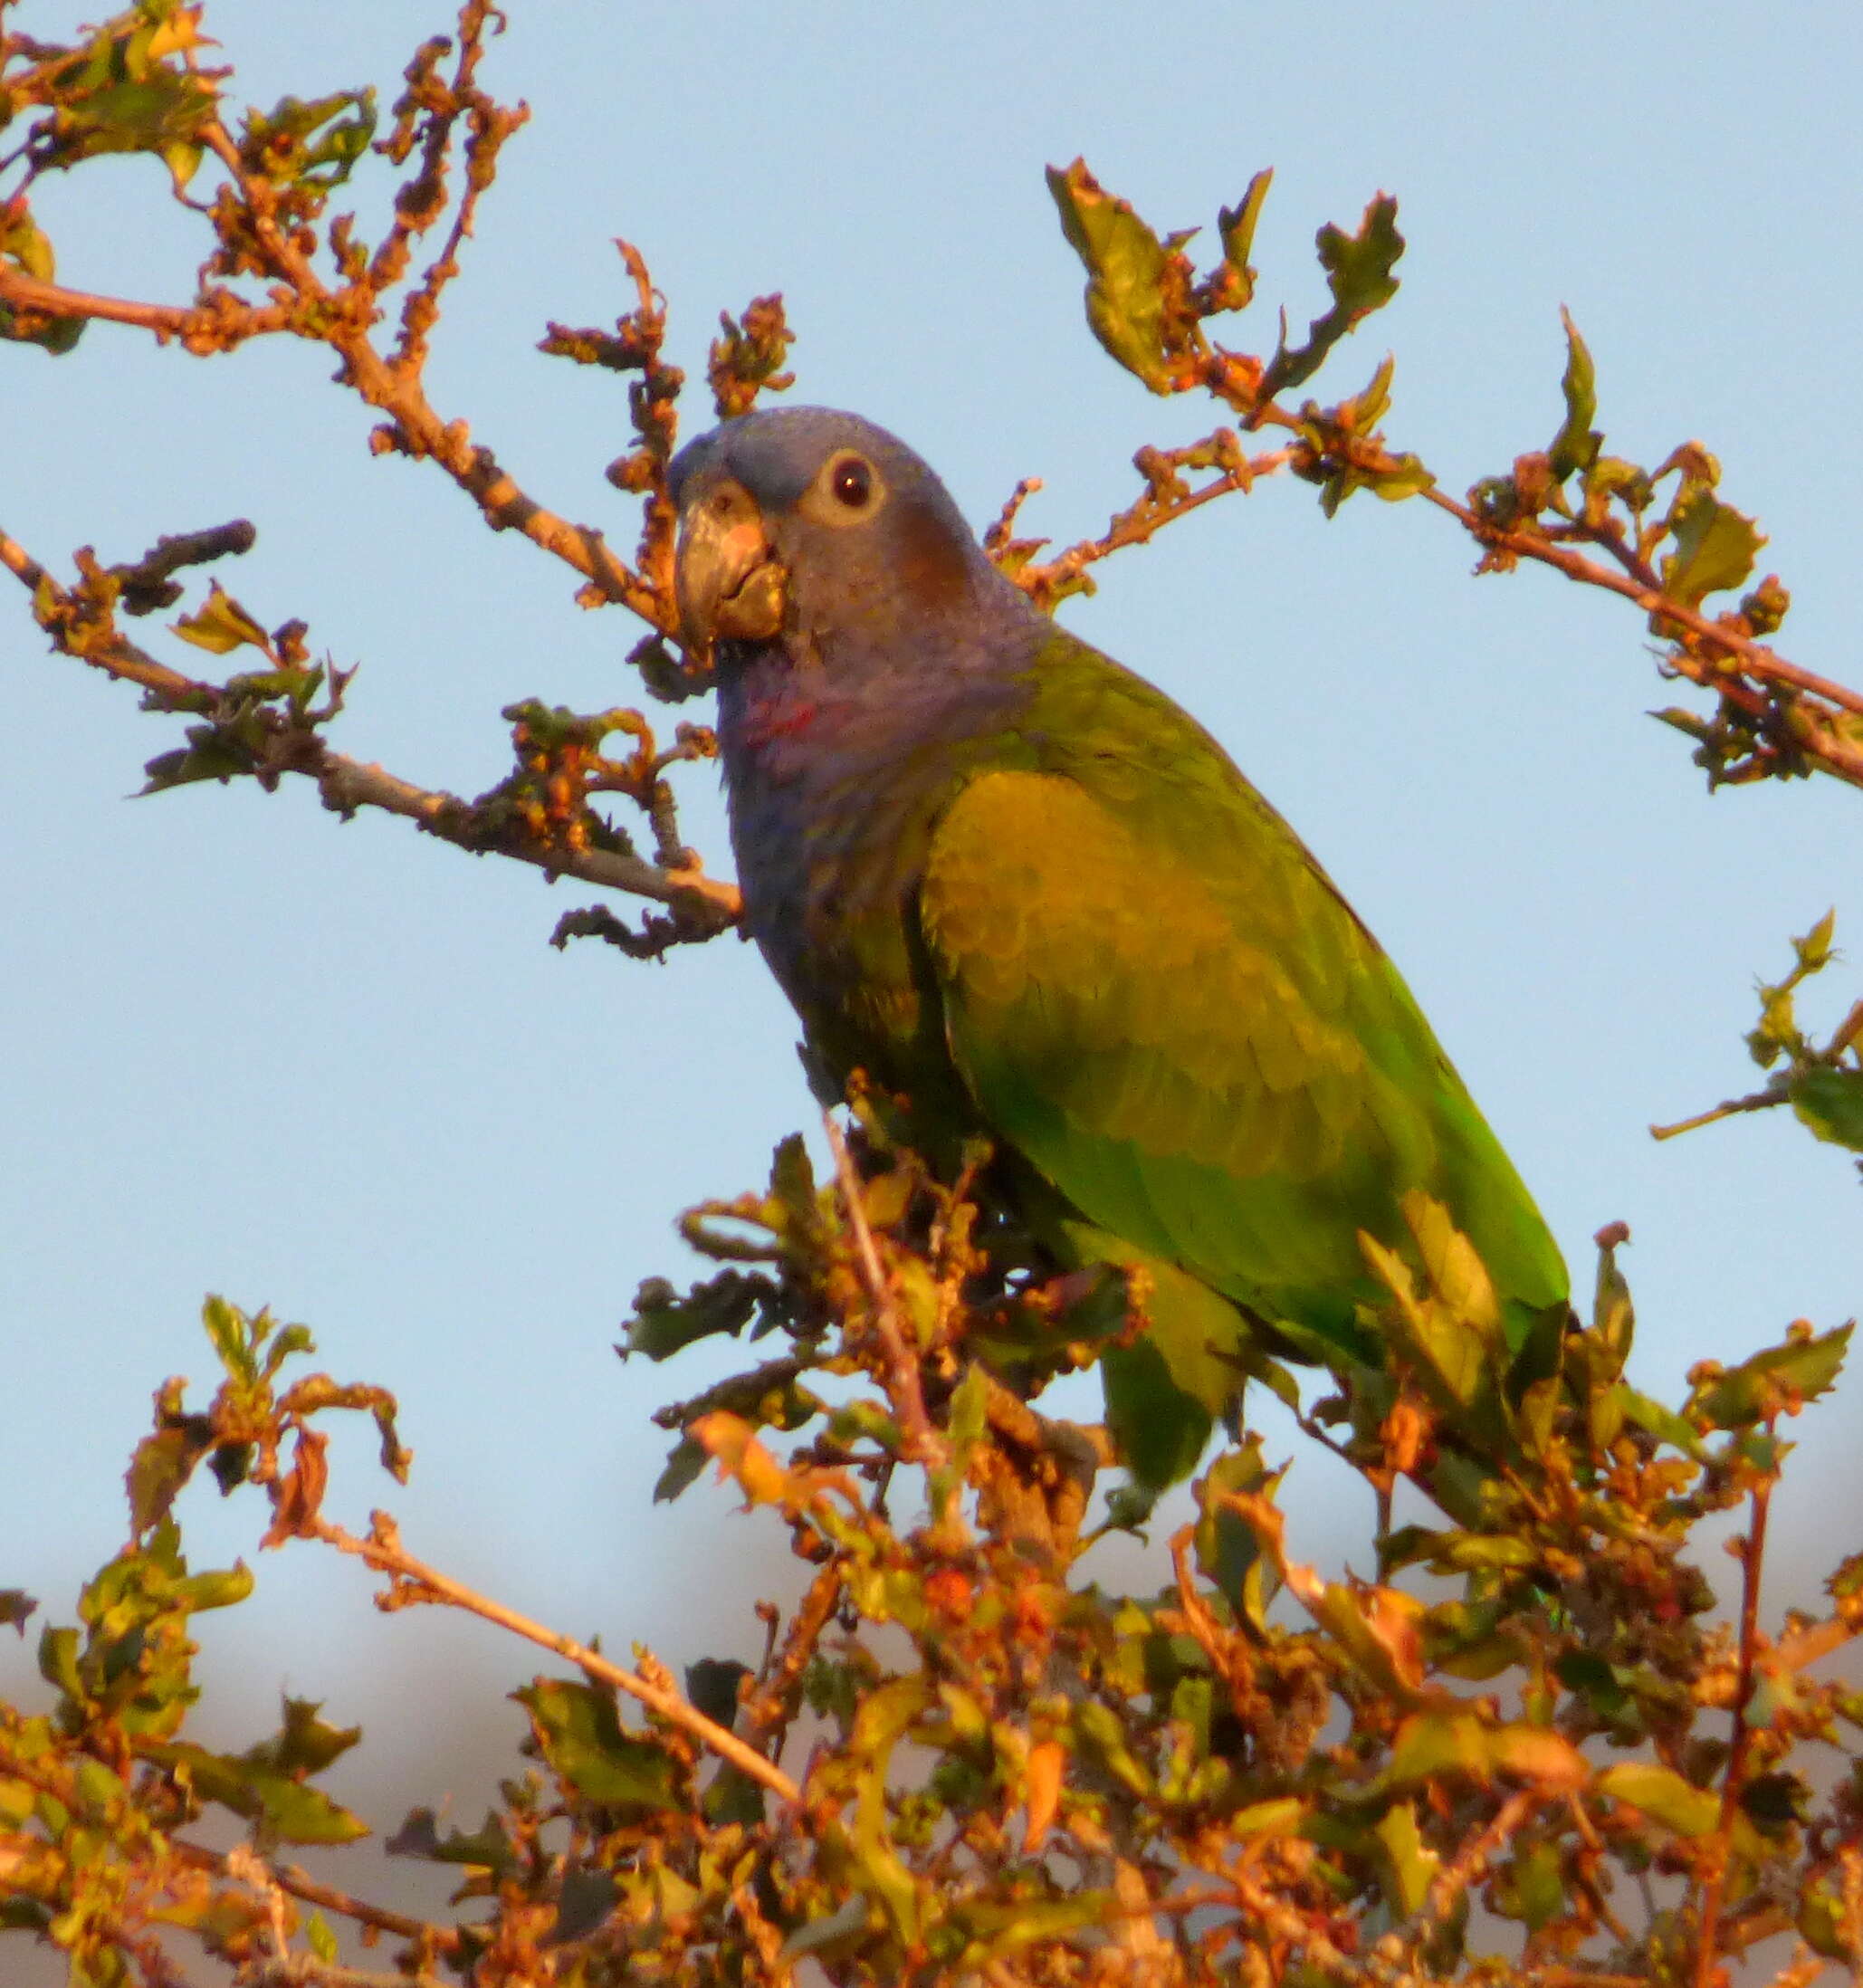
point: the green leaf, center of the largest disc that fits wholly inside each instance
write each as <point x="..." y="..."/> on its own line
<point x="1125" y="264"/>
<point x="1715" y="546"/>
<point x="1406" y="475"/>
<point x="665" y="1323"/>
<point x="221" y="625"/>
<point x="1358" y="274"/>
<point x="1651" y="1416"/>
<point x="25" y="244"/>
<point x="1846" y="1578"/>
<point x="970" y="1404"/>
<point x="161" y="112"/>
<point x="685" y="1461"/>
<point x="1829" y="1100"/>
<point x="1410" y="1866"/>
<point x="57" y="336"/>
<point x="582" y="1739"/>
<point x="792" y="1189"/>
<point x="846" y="1922"/>
<point x="1378" y="1629"/>
<point x="1453" y="1328"/>
<point x="1283" y="1816"/>
<point x="488" y="1848"/>
<point x="210" y="755"/>
<point x="1237" y="226"/>
<point x="311" y="144"/>
<point x="1774" y="1803"/>
<point x="1589" y="1676"/>
<point x="58" y="1660"/>
<point x="1229" y="1549"/>
<point x="1774" y="1381"/>
<point x="1816" y="949"/>
<point x="289" y="1810"/>
<point x="98" y="1790"/>
<point x="1432" y="1743"/>
<point x="1663" y="1795"/>
<point x="1429" y="1744"/>
<point x="1532" y="1884"/>
<point x="1102" y="1738"/>
<point x="712" y="1684"/>
<point x="1005" y="1929"/>
<point x="1824" y="1923"/>
<point x="731" y="1796"/>
<point x="1576" y="445"/>
<point x="160" y="1468"/>
<point x="1614" y="1315"/>
<point x="1535" y="1754"/>
<point x="303" y="1744"/>
<point x="15" y="1606"/>
<point x="883" y="1720"/>
<point x="1467" y="1552"/>
<point x="231" y="1334"/>
<point x="1160" y="1430"/>
<point x="290" y="1339"/>
<point x="585" y="1899"/>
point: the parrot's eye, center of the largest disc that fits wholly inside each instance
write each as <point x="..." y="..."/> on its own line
<point x="847" y="490"/>
<point x="852" y="482"/>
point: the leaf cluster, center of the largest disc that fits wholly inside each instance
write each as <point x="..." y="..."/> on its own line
<point x="1821" y="1081"/>
<point x="1505" y="1754"/>
<point x="1663" y="538"/>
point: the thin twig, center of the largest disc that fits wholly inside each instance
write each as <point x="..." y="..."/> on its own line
<point x="347" y="784"/>
<point x="420" y="430"/>
<point x="1806" y="1646"/>
<point x="923" y="1444"/>
<point x="301" y="1885"/>
<point x="382" y="1551"/>
<point x="1472" y="1860"/>
<point x="1756" y="1100"/>
<point x="165" y="321"/>
<point x="768" y="1712"/>
<point x="1141" y="521"/>
<point x="1752" y="1559"/>
<point x="1582" y="1977"/>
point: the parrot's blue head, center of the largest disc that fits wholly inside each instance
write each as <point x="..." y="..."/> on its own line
<point x="815" y="532"/>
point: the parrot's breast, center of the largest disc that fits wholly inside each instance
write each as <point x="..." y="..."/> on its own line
<point x="834" y="796"/>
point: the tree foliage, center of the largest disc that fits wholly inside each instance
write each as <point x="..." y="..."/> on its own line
<point x="1522" y="1749"/>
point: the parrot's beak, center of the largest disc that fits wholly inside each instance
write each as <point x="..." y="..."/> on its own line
<point x="729" y="579"/>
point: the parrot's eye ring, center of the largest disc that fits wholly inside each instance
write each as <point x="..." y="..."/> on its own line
<point x="852" y="481"/>
<point x="847" y="491"/>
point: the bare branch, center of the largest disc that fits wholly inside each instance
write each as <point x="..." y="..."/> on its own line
<point x="416" y="1582"/>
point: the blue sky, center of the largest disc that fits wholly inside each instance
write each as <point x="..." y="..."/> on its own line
<point x="337" y="1069"/>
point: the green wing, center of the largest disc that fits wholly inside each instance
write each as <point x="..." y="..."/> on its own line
<point x="1159" y="998"/>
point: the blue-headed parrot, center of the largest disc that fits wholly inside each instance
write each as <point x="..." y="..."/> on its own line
<point x="1033" y="900"/>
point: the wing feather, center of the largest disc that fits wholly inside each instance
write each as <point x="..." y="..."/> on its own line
<point x="1198" y="1044"/>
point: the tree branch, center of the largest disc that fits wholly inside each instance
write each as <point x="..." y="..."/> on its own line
<point x="708" y="904"/>
<point x="1753" y="1554"/>
<point x="301" y="1885"/>
<point x="223" y="319"/>
<point x="416" y="1582"/>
